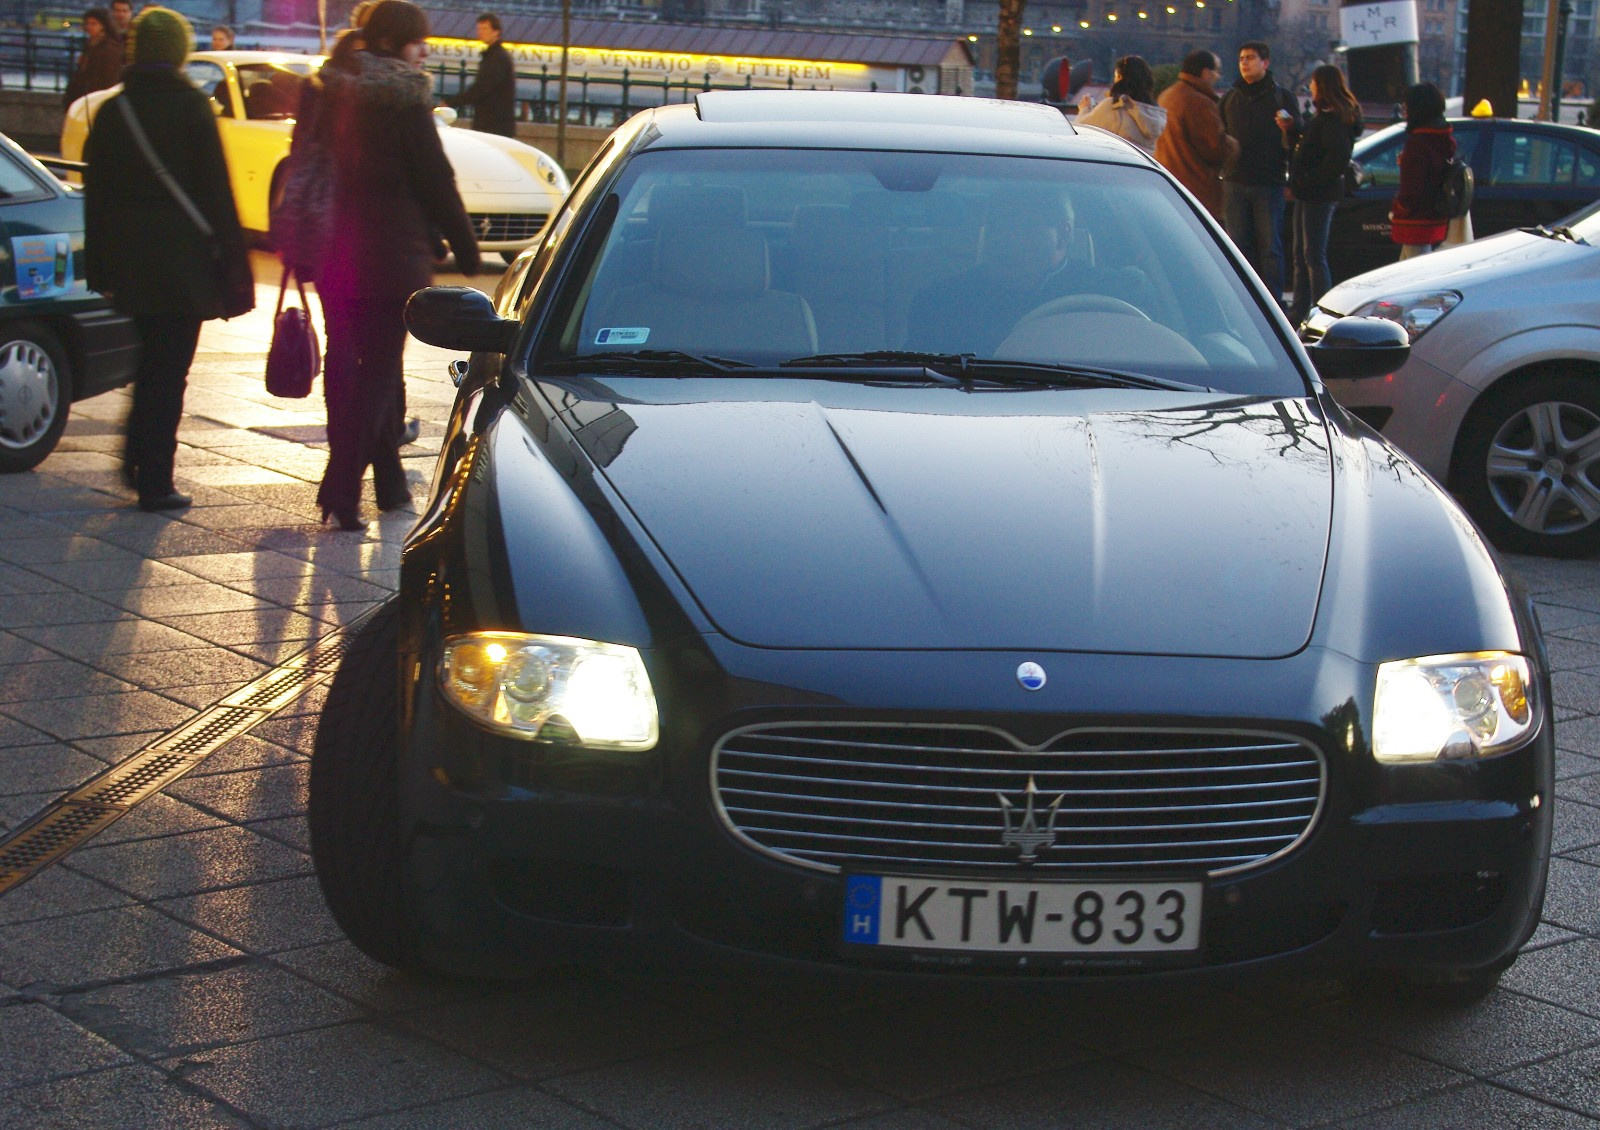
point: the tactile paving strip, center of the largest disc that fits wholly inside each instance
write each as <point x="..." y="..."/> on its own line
<point x="85" y="811"/>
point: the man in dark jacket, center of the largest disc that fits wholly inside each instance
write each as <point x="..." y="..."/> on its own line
<point x="1264" y="119"/>
<point x="168" y="269"/>
<point x="493" y="93"/>
<point x="100" y="65"/>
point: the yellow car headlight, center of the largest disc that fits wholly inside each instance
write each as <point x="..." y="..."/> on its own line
<point x="530" y="686"/>
<point x="1452" y="706"/>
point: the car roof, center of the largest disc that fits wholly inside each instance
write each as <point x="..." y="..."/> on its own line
<point x="830" y="119"/>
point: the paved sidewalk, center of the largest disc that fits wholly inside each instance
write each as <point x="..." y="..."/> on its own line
<point x="179" y="968"/>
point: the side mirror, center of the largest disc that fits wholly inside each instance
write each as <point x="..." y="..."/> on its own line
<point x="1353" y="348"/>
<point x="458" y="317"/>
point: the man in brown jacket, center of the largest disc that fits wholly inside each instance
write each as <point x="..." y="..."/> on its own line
<point x="1194" y="147"/>
<point x="100" y="65"/>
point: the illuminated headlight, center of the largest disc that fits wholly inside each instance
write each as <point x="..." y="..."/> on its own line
<point x="1416" y="313"/>
<point x="531" y="686"/>
<point x="1451" y="706"/>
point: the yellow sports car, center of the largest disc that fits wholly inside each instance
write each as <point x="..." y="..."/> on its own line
<point x="510" y="189"/>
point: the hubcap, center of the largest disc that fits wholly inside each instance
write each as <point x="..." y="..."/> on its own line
<point x="29" y="395"/>
<point x="1542" y="468"/>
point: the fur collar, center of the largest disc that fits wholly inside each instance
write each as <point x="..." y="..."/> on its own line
<point x="379" y="80"/>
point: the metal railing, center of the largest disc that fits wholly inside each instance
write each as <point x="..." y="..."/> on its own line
<point x="36" y="59"/>
<point x="596" y="100"/>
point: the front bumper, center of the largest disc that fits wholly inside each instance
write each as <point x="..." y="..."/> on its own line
<point x="1427" y="868"/>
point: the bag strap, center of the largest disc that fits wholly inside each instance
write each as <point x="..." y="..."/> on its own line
<point x="283" y="288"/>
<point x="168" y="181"/>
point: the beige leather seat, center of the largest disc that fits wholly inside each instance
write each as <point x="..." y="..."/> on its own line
<point x="708" y="293"/>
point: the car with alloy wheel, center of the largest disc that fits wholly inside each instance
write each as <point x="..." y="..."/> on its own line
<point x="60" y="342"/>
<point x="509" y="187"/>
<point x="1500" y="399"/>
<point x="1524" y="172"/>
<point x="900" y="536"/>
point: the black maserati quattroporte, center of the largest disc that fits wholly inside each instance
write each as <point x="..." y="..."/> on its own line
<point x="900" y="534"/>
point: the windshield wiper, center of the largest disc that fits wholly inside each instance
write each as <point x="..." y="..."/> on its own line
<point x="643" y="360"/>
<point x="968" y="370"/>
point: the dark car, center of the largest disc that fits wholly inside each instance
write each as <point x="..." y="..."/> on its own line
<point x="1525" y="173"/>
<point x="59" y="341"/>
<point x="900" y="534"/>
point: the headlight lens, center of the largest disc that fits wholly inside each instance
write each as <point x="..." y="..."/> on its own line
<point x="552" y="174"/>
<point x="1451" y="706"/>
<point x="521" y="684"/>
<point x="1417" y="313"/>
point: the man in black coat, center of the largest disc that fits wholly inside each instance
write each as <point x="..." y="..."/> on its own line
<point x="166" y="268"/>
<point x="493" y="93"/>
<point x="1264" y="119"/>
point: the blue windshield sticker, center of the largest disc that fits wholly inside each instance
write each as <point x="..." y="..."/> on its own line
<point x="623" y="335"/>
<point x="44" y="265"/>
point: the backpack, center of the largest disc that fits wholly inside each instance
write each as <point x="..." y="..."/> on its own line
<point x="1457" y="188"/>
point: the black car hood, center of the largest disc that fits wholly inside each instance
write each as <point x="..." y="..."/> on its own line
<point x="1066" y="520"/>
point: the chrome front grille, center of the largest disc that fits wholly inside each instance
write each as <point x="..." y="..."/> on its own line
<point x="507" y="227"/>
<point x="831" y="795"/>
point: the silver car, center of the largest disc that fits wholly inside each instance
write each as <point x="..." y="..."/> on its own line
<point x="1500" y="399"/>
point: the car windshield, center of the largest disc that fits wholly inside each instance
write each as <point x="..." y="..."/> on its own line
<point x="762" y="257"/>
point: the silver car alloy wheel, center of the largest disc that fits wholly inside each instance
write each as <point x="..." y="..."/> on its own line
<point x="1541" y="467"/>
<point x="30" y="393"/>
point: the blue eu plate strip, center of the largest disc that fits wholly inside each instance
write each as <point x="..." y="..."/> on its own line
<point x="862" y="896"/>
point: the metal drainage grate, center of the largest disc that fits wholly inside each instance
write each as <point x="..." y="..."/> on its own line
<point x="54" y="834"/>
<point x="276" y="689"/>
<point x="127" y="784"/>
<point x="213" y="728"/>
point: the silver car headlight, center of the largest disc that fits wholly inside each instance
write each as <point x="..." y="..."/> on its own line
<point x="531" y="686"/>
<point x="1416" y="313"/>
<point x="551" y="173"/>
<point x="1451" y="706"/>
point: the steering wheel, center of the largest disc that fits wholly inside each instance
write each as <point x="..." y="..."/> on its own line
<point x="1077" y="304"/>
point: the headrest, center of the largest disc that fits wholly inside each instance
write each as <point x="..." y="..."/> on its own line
<point x="675" y="205"/>
<point x="711" y="262"/>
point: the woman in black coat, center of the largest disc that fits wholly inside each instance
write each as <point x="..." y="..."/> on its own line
<point x="393" y="190"/>
<point x="1316" y="181"/>
<point x="144" y="249"/>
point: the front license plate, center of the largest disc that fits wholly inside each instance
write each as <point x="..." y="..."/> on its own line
<point x="981" y="916"/>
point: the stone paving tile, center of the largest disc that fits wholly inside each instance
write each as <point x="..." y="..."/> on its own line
<point x="253" y="794"/>
<point x="1572" y="1080"/>
<point x="58" y="892"/>
<point x="229" y="568"/>
<point x="100" y="715"/>
<point x="1336" y="1075"/>
<point x="116" y="748"/>
<point x="38" y="1044"/>
<point x="55" y="678"/>
<point x="342" y="969"/>
<point x="515" y="1109"/>
<point x="1565" y="621"/>
<point x="203" y="665"/>
<point x="19" y="810"/>
<point x="15" y="580"/>
<point x="724" y="1084"/>
<point x="260" y="918"/>
<point x="1500" y="1032"/>
<point x="66" y="549"/>
<point x="179" y="1014"/>
<point x="247" y="752"/>
<point x="15" y="650"/>
<point x="1583" y="788"/>
<point x="14" y="733"/>
<point x="1576" y="826"/>
<point x="126" y="1097"/>
<point x="92" y="642"/>
<point x="1567" y="975"/>
<point x="291" y="830"/>
<point x="233" y="629"/>
<point x="102" y="946"/>
<point x="56" y="608"/>
<point x="1473" y="1105"/>
<point x="333" y="1074"/>
<point x="1570" y="765"/>
<point x="156" y="817"/>
<point x="110" y="579"/>
<point x="191" y="862"/>
<point x="317" y="588"/>
<point x="44" y="769"/>
<point x="199" y="697"/>
<point x="1578" y="691"/>
<point x="186" y="600"/>
<point x="1581" y="736"/>
<point x="563" y="1022"/>
<point x="296" y="732"/>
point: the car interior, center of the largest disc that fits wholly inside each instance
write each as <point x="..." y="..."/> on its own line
<point x="1051" y="273"/>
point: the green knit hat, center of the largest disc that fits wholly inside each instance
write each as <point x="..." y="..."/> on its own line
<point x="159" y="36"/>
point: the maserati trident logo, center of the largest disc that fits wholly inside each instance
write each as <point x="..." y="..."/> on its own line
<point x="484" y="227"/>
<point x="1022" y="829"/>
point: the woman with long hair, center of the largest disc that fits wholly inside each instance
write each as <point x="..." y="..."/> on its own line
<point x="1129" y="108"/>
<point x="1417" y="216"/>
<point x="393" y="188"/>
<point x="1316" y="181"/>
